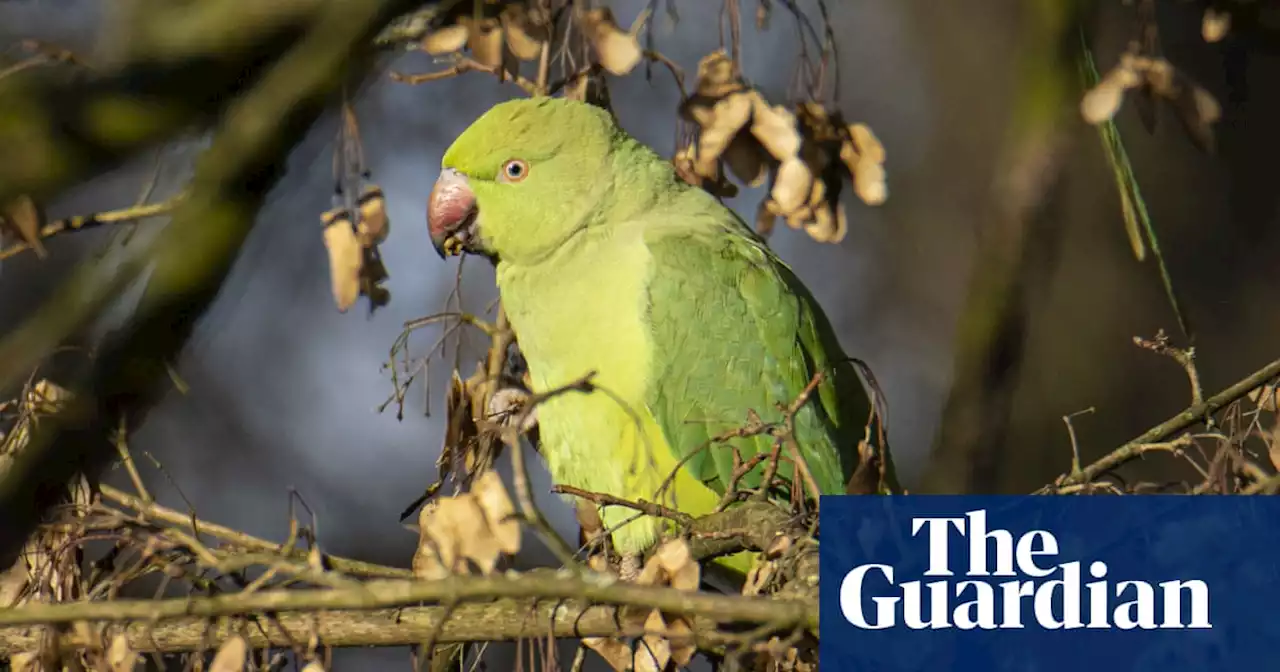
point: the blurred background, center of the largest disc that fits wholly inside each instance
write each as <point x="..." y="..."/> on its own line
<point x="284" y="390"/>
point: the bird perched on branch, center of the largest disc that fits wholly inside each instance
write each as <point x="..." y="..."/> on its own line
<point x="608" y="262"/>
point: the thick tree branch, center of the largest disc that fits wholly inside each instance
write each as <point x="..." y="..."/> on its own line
<point x="380" y="594"/>
<point x="502" y="620"/>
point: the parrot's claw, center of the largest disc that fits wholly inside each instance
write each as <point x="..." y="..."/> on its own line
<point x="629" y="566"/>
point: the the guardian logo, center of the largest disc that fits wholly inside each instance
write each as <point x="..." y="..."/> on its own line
<point x="1039" y="592"/>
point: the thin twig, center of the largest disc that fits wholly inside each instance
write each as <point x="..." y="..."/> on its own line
<point x="235" y="537"/>
<point x="602" y="499"/>
<point x="1188" y="417"/>
<point x="80" y="222"/>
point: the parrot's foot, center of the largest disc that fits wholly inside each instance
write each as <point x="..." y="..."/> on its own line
<point x="629" y="566"/>
<point x="508" y="406"/>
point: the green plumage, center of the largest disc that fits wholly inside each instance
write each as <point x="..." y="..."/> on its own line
<point x="745" y="334"/>
<point x="608" y="262"/>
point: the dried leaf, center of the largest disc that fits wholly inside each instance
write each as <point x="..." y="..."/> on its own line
<point x="617" y="50"/>
<point x="231" y="655"/>
<point x="1215" y="25"/>
<point x="120" y="656"/>
<point x="1266" y="397"/>
<point x="46" y="398"/>
<point x="778" y="546"/>
<point x="672" y="565"/>
<point x="498" y="510"/>
<point x="26" y="662"/>
<point x="758" y="577"/>
<point x="346" y="257"/>
<point x="652" y="651"/>
<point x="23" y="217"/>
<point x="614" y="651"/>
<point x="681" y="640"/>
<point x="446" y="40"/>
<point x="476" y="526"/>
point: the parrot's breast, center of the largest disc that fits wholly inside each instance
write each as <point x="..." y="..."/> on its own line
<point x="586" y="310"/>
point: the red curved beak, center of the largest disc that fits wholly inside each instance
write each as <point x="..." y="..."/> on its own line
<point x="451" y="213"/>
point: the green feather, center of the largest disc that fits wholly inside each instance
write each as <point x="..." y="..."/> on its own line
<point x="744" y="334"/>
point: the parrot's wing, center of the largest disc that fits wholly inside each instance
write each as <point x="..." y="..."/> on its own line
<point x="733" y="331"/>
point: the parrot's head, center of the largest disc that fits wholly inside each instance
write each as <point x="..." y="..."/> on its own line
<point x="522" y="179"/>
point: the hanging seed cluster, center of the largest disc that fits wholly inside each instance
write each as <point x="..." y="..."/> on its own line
<point x="1196" y="108"/>
<point x="516" y="30"/>
<point x="807" y="154"/>
<point x="522" y="31"/>
<point x="352" y="236"/>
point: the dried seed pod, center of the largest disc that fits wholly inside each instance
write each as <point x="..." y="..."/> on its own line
<point x="485" y="41"/>
<point x="374" y="225"/>
<point x="798" y="218"/>
<point x="1215" y="26"/>
<point x="869" y="183"/>
<point x="867" y="143"/>
<point x="775" y="128"/>
<point x="824" y="227"/>
<point x="346" y="257"/>
<point x="863" y="156"/>
<point x="792" y="184"/>
<point x="524" y="38"/>
<point x="818" y="193"/>
<point x="717" y="76"/>
<point x="446" y="40"/>
<point x="230" y="656"/>
<point x="727" y="118"/>
<point x="617" y="50"/>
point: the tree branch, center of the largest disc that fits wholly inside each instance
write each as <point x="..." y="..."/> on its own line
<point x="247" y="541"/>
<point x="191" y="257"/>
<point x="1188" y="417"/>
<point x="381" y="594"/>
<point x="503" y="620"/>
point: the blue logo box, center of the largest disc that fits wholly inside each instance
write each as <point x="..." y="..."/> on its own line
<point x="1042" y="584"/>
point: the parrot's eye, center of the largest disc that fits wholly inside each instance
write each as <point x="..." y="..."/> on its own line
<point x="515" y="170"/>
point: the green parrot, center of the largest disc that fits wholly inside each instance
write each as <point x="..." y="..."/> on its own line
<point x="607" y="262"/>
